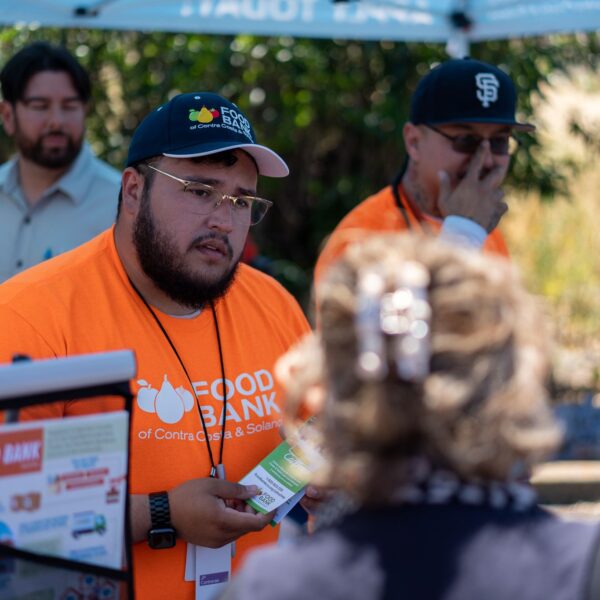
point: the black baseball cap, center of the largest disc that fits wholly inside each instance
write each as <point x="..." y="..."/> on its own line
<point x="198" y="124"/>
<point x="466" y="91"/>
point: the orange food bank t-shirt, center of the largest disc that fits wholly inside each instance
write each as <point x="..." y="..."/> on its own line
<point x="381" y="213"/>
<point x="82" y="302"/>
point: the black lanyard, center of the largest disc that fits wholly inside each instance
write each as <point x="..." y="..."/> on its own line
<point x="213" y="467"/>
<point x="401" y="207"/>
<point x="399" y="203"/>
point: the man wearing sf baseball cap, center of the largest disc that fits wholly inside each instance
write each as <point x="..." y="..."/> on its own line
<point x="466" y="91"/>
<point x="167" y="282"/>
<point x="458" y="143"/>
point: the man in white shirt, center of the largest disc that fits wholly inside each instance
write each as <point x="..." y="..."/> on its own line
<point x="54" y="193"/>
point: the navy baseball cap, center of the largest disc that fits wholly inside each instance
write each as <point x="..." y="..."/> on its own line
<point x="466" y="91"/>
<point x="198" y="124"/>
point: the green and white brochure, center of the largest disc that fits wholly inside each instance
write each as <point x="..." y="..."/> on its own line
<point x="282" y="477"/>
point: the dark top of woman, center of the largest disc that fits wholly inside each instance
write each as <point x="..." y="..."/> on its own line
<point x="424" y="552"/>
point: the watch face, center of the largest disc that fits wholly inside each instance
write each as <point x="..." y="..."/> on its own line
<point x="161" y="538"/>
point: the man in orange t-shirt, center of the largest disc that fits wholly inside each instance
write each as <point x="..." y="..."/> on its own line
<point x="458" y="144"/>
<point x="166" y="282"/>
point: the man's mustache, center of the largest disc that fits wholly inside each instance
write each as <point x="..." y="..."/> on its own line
<point x="53" y="133"/>
<point x="214" y="236"/>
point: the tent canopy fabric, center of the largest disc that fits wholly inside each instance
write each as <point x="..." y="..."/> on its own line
<point x="409" y="20"/>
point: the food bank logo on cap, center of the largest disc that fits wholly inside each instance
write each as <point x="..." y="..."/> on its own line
<point x="204" y="115"/>
<point x="199" y="124"/>
<point x="223" y="116"/>
<point x="487" y="88"/>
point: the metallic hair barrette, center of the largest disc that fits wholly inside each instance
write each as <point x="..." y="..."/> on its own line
<point x="403" y="314"/>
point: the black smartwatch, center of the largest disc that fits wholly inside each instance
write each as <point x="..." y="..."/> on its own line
<point x="161" y="534"/>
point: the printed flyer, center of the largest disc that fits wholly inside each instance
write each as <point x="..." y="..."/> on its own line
<point x="62" y="493"/>
<point x="283" y="474"/>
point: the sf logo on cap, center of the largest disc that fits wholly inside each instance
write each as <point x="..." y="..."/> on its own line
<point x="487" y="88"/>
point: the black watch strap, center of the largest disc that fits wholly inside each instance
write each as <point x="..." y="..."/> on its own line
<point x="160" y="514"/>
<point x="161" y="534"/>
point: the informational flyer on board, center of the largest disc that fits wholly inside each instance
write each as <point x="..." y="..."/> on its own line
<point x="62" y="487"/>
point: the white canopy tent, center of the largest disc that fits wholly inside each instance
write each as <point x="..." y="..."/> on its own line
<point x="455" y="21"/>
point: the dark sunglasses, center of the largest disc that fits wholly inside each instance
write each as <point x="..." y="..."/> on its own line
<point x="468" y="143"/>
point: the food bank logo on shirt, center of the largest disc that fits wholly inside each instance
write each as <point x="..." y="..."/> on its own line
<point x="168" y="403"/>
<point x="250" y="396"/>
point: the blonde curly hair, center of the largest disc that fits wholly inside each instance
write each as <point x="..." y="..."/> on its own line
<point x="482" y="409"/>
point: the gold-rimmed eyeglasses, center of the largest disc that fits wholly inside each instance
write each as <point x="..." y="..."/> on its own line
<point x="208" y="199"/>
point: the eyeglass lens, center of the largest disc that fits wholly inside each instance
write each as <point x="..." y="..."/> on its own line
<point x="208" y="199"/>
<point x="243" y="207"/>
<point x="468" y="144"/>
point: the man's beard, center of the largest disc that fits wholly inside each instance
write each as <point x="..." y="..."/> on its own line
<point x="161" y="261"/>
<point x="54" y="158"/>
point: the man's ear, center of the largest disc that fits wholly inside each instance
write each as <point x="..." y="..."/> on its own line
<point x="7" y="114"/>
<point x="412" y="141"/>
<point x="132" y="185"/>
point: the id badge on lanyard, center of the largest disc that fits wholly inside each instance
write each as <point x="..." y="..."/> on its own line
<point x="209" y="568"/>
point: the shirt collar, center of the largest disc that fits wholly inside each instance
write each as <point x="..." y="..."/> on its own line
<point x="9" y="177"/>
<point x="74" y="183"/>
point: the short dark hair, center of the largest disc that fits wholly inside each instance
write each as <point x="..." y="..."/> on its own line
<point x="38" y="57"/>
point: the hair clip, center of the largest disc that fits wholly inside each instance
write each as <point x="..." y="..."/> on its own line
<point x="371" y="362"/>
<point x="403" y="314"/>
<point x="406" y="315"/>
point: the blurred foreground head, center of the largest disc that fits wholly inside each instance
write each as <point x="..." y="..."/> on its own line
<point x="426" y="352"/>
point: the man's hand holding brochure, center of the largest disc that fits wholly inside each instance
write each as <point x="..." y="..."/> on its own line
<point x="283" y="475"/>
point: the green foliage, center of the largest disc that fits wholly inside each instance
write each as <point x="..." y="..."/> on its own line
<point x="334" y="109"/>
<point x="557" y="246"/>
